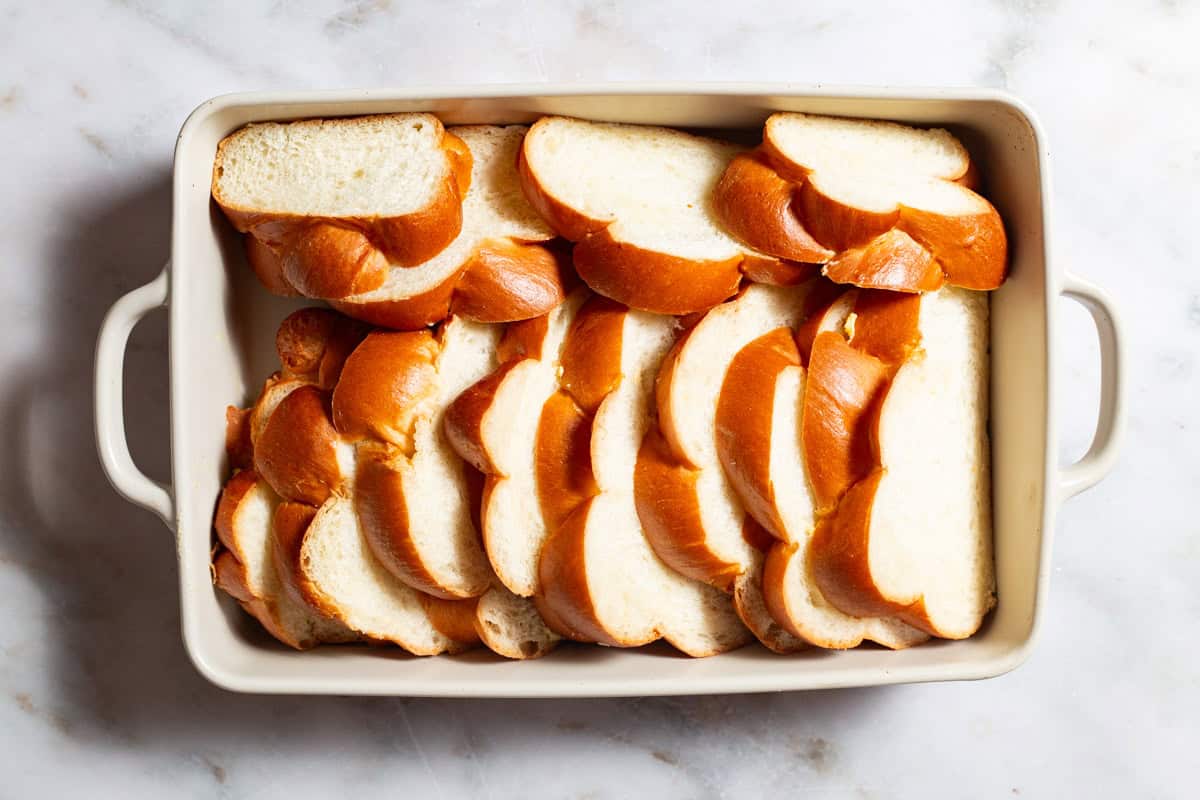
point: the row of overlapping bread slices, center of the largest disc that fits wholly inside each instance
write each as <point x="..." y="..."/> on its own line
<point x="703" y="440"/>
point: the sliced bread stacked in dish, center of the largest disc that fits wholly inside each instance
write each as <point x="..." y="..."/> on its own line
<point x="879" y="204"/>
<point x="708" y="443"/>
<point x="557" y="429"/>
<point x="394" y="219"/>
<point x="789" y="433"/>
<point x="910" y="537"/>
<point x="375" y="529"/>
<point x="636" y="200"/>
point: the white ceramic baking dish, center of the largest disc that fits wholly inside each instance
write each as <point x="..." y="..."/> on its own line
<point x="221" y="334"/>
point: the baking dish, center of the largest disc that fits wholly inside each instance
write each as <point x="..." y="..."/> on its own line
<point x="221" y="346"/>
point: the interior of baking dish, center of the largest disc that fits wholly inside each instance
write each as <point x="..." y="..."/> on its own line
<point x="222" y="334"/>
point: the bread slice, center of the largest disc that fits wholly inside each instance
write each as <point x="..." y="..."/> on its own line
<point x="324" y="556"/>
<point x="501" y="267"/>
<point x="494" y="425"/>
<point x="512" y="626"/>
<point x="336" y="200"/>
<point x="759" y="425"/>
<point x="635" y="199"/>
<point x="599" y="576"/>
<point x="244" y="568"/>
<point x="881" y="205"/>
<point x="687" y="498"/>
<point x="411" y="491"/>
<point x="384" y="425"/>
<point x="691" y="512"/>
<point x="913" y="538"/>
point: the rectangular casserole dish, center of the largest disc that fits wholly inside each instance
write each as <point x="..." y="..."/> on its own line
<point x="222" y="327"/>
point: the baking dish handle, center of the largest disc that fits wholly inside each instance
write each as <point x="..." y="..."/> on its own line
<point x="118" y="464"/>
<point x="1110" y="427"/>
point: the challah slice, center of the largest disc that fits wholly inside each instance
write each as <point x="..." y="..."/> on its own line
<point x="334" y="200"/>
<point x="692" y="515"/>
<point x="881" y="205"/>
<point x="512" y="626"/>
<point x="913" y="538"/>
<point x="325" y="557"/>
<point x="246" y="571"/>
<point x="494" y="426"/>
<point x="389" y="391"/>
<point x="599" y="577"/>
<point x="498" y="269"/>
<point x="759" y="418"/>
<point x="412" y="492"/>
<point x="635" y="199"/>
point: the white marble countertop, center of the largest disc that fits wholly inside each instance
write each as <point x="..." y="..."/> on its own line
<point x="96" y="692"/>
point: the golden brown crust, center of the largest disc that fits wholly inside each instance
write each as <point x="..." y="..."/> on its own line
<point x="646" y="279"/>
<point x="563" y="465"/>
<point x="523" y="339"/>
<point x="296" y="453"/>
<point x="331" y="261"/>
<point x="668" y="507"/>
<point x="238" y="447"/>
<point x="288" y="526"/>
<point x="972" y="250"/>
<point x="566" y="221"/>
<point x="382" y="386"/>
<point x="754" y="204"/>
<point x="591" y="353"/>
<point x="887" y="325"/>
<point x="847" y="384"/>
<point x="843" y="384"/>
<point x="502" y="281"/>
<point x="563" y="577"/>
<point x="454" y="619"/>
<point x="268" y="267"/>
<point x="840" y="556"/>
<point x="314" y="343"/>
<point x="780" y="207"/>
<point x="892" y="261"/>
<point x="653" y="281"/>
<point x="403" y="240"/>
<point x="408" y="313"/>
<point x="465" y="417"/>
<point x="821" y="313"/>
<point x="506" y="281"/>
<point x="230" y="576"/>
<point x="745" y="417"/>
<point x="382" y="506"/>
<point x="232" y="495"/>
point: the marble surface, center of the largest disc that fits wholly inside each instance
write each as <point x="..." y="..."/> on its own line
<point x="96" y="692"/>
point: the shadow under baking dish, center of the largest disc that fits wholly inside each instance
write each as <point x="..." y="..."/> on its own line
<point x="222" y="328"/>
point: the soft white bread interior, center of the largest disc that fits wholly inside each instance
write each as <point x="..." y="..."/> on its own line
<point x="914" y="537"/>
<point x="882" y="205"/>
<point x="382" y="166"/>
<point x="412" y="492"/>
<point x="330" y="203"/>
<point x="635" y="199"/>
<point x="246" y="570"/>
<point x="496" y="270"/>
<point x="382" y="455"/>
<point x="494" y="424"/>
<point x="687" y="497"/>
<point x="392" y="218"/>
<point x="338" y="574"/>
<point x="694" y="516"/>
<point x="599" y="575"/>
<point x="759" y="422"/>
<point x="511" y="625"/>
